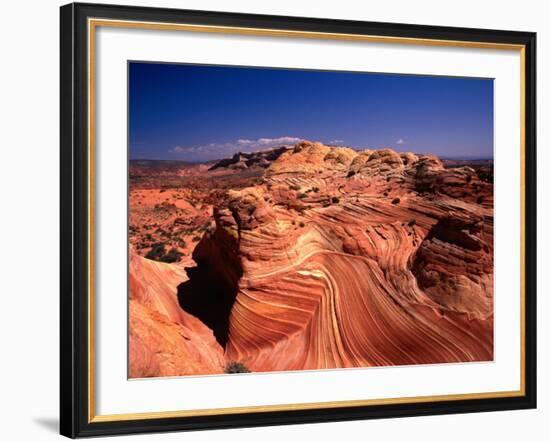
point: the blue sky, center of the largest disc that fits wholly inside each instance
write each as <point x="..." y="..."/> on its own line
<point x="199" y="113"/>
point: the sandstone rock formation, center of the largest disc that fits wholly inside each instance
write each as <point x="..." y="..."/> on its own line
<point x="164" y="340"/>
<point x="389" y="265"/>
<point x="337" y="258"/>
<point x="244" y="160"/>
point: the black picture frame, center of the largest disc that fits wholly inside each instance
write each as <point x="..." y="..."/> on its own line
<point x="74" y="273"/>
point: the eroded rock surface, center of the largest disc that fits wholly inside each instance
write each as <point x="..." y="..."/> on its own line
<point x="390" y="264"/>
<point x="165" y="340"/>
<point x="337" y="258"/>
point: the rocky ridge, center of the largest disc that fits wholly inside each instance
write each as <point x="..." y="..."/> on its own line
<point x="342" y="258"/>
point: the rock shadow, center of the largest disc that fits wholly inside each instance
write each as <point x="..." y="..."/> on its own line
<point x="210" y="292"/>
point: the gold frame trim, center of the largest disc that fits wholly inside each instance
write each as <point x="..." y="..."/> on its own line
<point x="92" y="25"/>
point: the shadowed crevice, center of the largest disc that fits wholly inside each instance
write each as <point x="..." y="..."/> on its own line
<point x="210" y="292"/>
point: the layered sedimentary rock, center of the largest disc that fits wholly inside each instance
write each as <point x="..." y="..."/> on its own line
<point x="164" y="340"/>
<point x="348" y="259"/>
<point x="240" y="161"/>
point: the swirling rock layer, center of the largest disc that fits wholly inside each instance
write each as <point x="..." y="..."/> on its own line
<point x="353" y="260"/>
<point x="164" y="340"/>
<point x="330" y="258"/>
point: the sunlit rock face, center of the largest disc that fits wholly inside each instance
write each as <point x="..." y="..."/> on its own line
<point x="320" y="257"/>
<point x="164" y="340"/>
<point x="355" y="259"/>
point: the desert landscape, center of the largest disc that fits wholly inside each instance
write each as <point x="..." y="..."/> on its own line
<point x="309" y="256"/>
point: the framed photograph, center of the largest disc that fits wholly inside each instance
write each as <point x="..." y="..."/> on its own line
<point x="273" y="220"/>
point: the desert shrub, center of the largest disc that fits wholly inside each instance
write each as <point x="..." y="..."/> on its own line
<point x="236" y="367"/>
<point x="335" y="199"/>
<point x="412" y="222"/>
<point x="395" y="201"/>
<point x="156" y="252"/>
<point x="479" y="199"/>
<point x="294" y="187"/>
<point x="315" y="189"/>
<point x="301" y="195"/>
<point x="196" y="238"/>
<point x="302" y="225"/>
<point x="171" y="256"/>
<point x="351" y="173"/>
<point x="385" y="193"/>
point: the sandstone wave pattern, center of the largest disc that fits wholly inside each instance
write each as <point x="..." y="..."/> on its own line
<point x="337" y="258"/>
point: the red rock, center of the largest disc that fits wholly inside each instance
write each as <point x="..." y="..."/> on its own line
<point x="363" y="281"/>
<point x="164" y="340"/>
<point x="336" y="259"/>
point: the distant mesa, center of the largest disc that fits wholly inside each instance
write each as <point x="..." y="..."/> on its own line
<point x="240" y="161"/>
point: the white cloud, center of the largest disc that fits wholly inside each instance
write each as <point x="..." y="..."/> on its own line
<point x="177" y="149"/>
<point x="400" y="141"/>
<point x="336" y="141"/>
<point x="223" y="150"/>
<point x="264" y="142"/>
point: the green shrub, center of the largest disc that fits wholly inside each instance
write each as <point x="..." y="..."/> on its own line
<point x="156" y="252"/>
<point x="171" y="256"/>
<point x="236" y="367"/>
